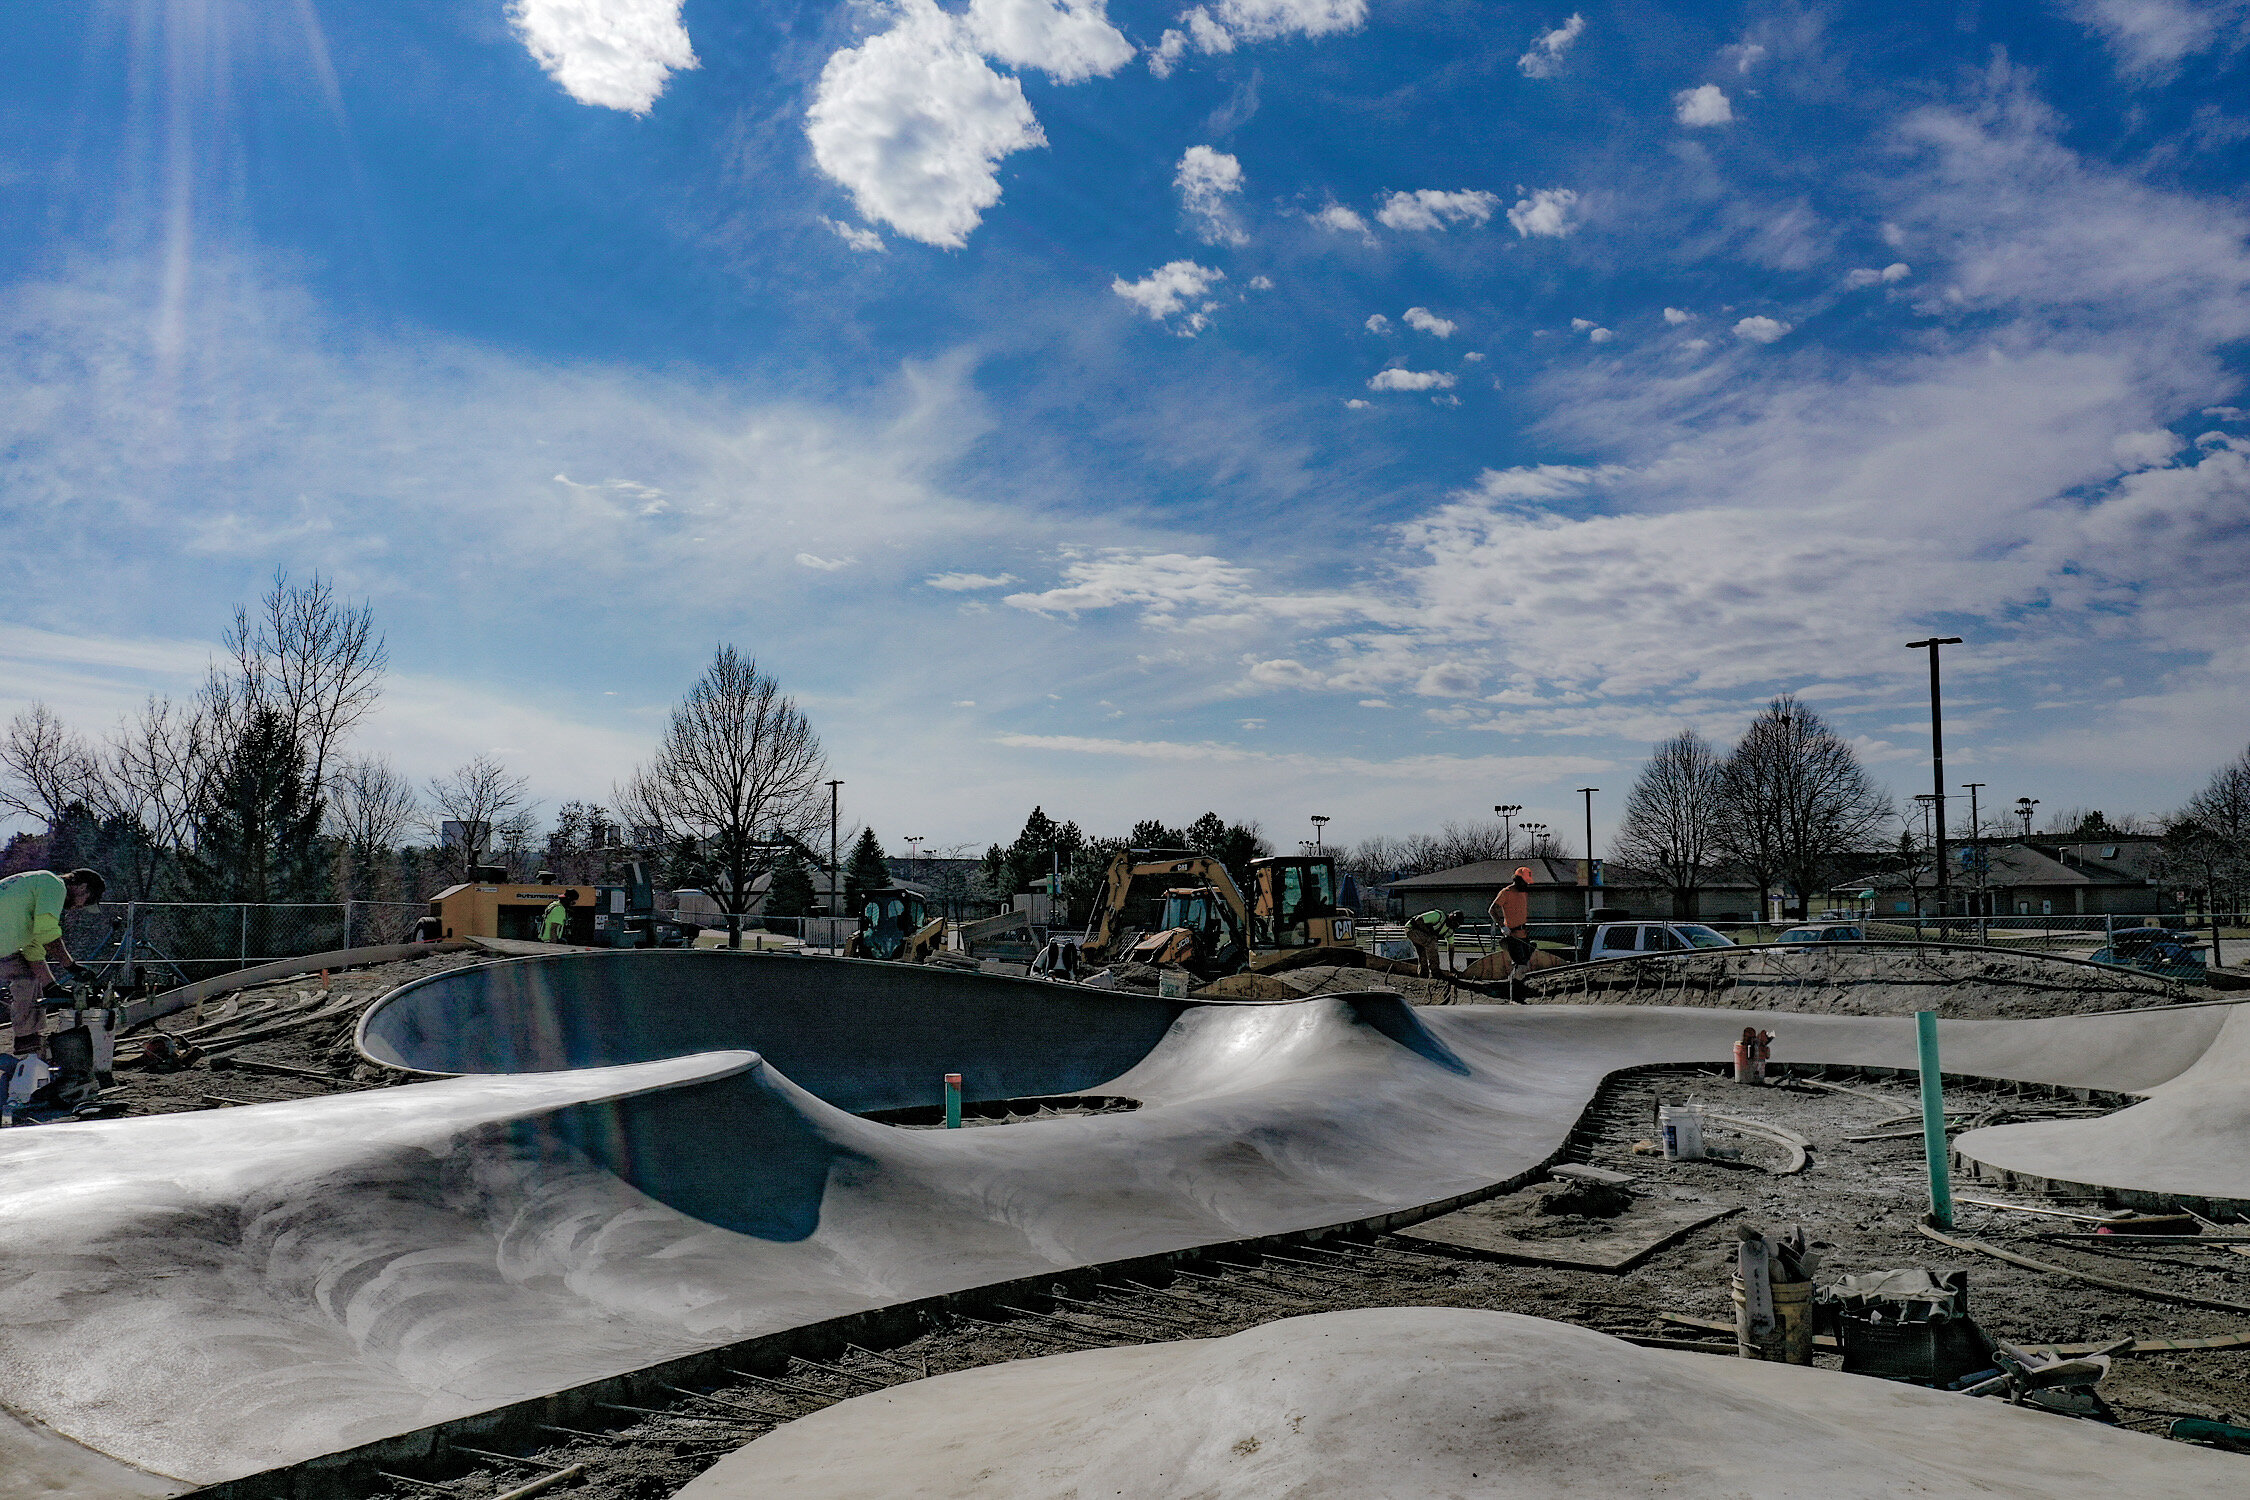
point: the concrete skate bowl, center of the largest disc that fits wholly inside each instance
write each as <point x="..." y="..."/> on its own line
<point x="1959" y="981"/>
<point x="261" y="1297"/>
<point x="863" y="1036"/>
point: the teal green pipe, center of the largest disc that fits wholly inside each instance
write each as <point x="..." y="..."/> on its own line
<point x="1933" y="1119"/>
<point x="953" y="1101"/>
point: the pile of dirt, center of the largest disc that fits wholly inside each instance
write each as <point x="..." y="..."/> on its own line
<point x="287" y="1039"/>
<point x="1873" y="980"/>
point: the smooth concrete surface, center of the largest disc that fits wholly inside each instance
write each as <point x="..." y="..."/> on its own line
<point x="1442" y="1403"/>
<point x="209" y="1295"/>
<point x="2190" y="1138"/>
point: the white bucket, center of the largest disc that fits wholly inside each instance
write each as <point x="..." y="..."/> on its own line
<point x="1681" y="1126"/>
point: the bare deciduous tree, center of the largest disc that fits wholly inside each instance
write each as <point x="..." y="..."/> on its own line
<point x="1795" y="799"/>
<point x="493" y="806"/>
<point x="315" y="659"/>
<point x="370" y="806"/>
<point x="46" y="767"/>
<point x="1672" y="816"/>
<point x="738" y="762"/>
<point x="152" y="776"/>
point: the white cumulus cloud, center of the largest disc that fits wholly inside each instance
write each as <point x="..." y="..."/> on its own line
<point x="1707" y="105"/>
<point x="1208" y="181"/>
<point x="615" y="53"/>
<point x="1341" y="219"/>
<point x="1761" y="330"/>
<point x="856" y="237"/>
<point x="1546" y="212"/>
<point x="1431" y="209"/>
<point x="1411" y="380"/>
<point x="1545" y="59"/>
<point x="2146" y="450"/>
<point x="1377" y="323"/>
<point x="1172" y="289"/>
<point x="1677" y="315"/>
<point x="1430" y="323"/>
<point x="914" y="123"/>
<point x="1067" y="42"/>
<point x="1599" y="335"/>
<point x="1897" y="270"/>
<point x="1217" y="28"/>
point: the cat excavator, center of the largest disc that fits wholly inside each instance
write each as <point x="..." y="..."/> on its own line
<point x="1169" y="906"/>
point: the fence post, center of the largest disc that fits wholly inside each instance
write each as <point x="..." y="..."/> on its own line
<point x="132" y="914"/>
<point x="347" y="926"/>
<point x="244" y="955"/>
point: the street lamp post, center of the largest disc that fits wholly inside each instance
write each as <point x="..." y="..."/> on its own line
<point x="1588" y="793"/>
<point x="1976" y="842"/>
<point x="2024" y="805"/>
<point x="835" y="876"/>
<point x="1507" y="812"/>
<point x="1937" y="753"/>
<point x="1319" y="822"/>
<point x="914" y="855"/>
<point x="1925" y="801"/>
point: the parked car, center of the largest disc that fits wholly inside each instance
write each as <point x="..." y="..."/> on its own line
<point x="2155" y="950"/>
<point x="1826" y="932"/>
<point x="1623" y="939"/>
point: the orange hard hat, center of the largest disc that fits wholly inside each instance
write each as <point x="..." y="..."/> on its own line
<point x="1523" y="873"/>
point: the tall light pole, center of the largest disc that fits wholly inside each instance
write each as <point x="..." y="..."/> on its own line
<point x="1588" y="793"/>
<point x="1507" y="812"/>
<point x="1319" y="822"/>
<point x="835" y="875"/>
<point x="2024" y="805"/>
<point x="1925" y="801"/>
<point x="1537" y="831"/>
<point x="914" y="853"/>
<point x="1937" y="752"/>
<point x="1976" y="839"/>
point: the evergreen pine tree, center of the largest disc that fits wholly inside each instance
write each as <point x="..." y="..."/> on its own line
<point x="791" y="892"/>
<point x="866" y="870"/>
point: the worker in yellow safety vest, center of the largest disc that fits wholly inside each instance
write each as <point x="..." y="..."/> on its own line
<point x="1426" y="932"/>
<point x="31" y="940"/>
<point x="555" y="920"/>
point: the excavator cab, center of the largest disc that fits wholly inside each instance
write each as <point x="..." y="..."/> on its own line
<point x="1198" y="930"/>
<point x="895" y="925"/>
<point x="1293" y="903"/>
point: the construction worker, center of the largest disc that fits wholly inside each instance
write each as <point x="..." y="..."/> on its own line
<point x="1426" y="932"/>
<point x="31" y="940"/>
<point x="555" y="920"/>
<point x="1511" y="913"/>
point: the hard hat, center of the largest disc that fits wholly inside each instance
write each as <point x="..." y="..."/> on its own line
<point x="1523" y="873"/>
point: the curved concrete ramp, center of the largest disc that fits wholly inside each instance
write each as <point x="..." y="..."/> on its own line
<point x="1427" y="1403"/>
<point x="2189" y="1142"/>
<point x="204" y="1296"/>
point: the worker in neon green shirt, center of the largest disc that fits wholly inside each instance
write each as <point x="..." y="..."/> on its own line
<point x="31" y="938"/>
<point x="555" y="920"/>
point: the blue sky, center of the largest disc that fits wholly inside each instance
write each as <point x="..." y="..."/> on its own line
<point x="1283" y="406"/>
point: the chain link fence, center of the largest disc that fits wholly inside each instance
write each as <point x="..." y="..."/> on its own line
<point x="164" y="944"/>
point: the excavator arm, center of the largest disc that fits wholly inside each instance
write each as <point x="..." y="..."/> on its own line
<point x="1173" y="869"/>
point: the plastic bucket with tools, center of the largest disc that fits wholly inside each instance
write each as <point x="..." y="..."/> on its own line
<point x="1789" y="1339"/>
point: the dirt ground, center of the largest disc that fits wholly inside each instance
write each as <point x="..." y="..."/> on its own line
<point x="1859" y="1200"/>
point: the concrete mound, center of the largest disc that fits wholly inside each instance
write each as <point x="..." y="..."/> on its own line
<point x="1441" y="1403"/>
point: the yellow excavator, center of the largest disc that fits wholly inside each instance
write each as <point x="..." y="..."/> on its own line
<point x="895" y="925"/>
<point x="1171" y="907"/>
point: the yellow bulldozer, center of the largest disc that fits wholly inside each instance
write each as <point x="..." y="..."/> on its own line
<point x="1167" y="906"/>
